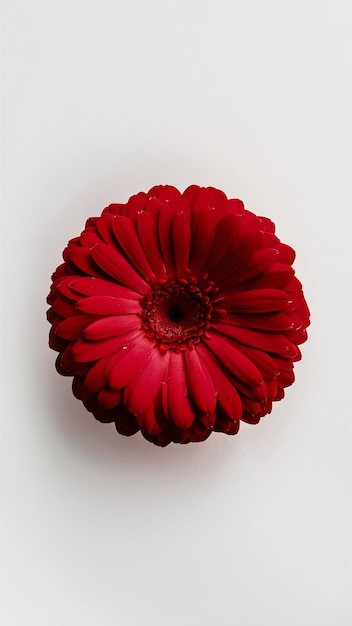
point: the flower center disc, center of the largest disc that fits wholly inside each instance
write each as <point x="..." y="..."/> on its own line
<point x="177" y="313"/>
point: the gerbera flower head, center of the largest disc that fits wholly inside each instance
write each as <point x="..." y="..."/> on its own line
<point x="177" y="314"/>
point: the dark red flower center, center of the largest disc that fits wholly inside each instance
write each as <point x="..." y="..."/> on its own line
<point x="177" y="313"/>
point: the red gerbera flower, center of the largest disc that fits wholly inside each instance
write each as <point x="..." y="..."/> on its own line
<point x="177" y="315"/>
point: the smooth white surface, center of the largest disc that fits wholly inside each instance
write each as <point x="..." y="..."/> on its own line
<point x="102" y="99"/>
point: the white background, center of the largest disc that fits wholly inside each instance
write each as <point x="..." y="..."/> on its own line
<point x="102" y="99"/>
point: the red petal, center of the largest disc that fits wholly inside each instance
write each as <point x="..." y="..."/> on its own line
<point x="139" y="395"/>
<point x="226" y="426"/>
<point x="85" y="351"/>
<point x="276" y="343"/>
<point x="109" y="399"/>
<point x="179" y="406"/>
<point x="165" y="193"/>
<point x="287" y="254"/>
<point x="135" y="204"/>
<point x="164" y="226"/>
<point x="72" y="328"/>
<point x="227" y="395"/>
<point x="246" y="236"/>
<point x="203" y="230"/>
<point x="297" y="337"/>
<point x="148" y="422"/>
<point x="203" y="198"/>
<point x="116" y="266"/>
<point x="234" y="360"/>
<point x="286" y="378"/>
<point x="108" y="305"/>
<point x="276" y="277"/>
<point x="67" y="366"/>
<point x="89" y="238"/>
<point x="258" y="263"/>
<point x="126" y="235"/>
<point x="129" y="362"/>
<point x="223" y="238"/>
<point x="147" y="231"/>
<point x="256" y="393"/>
<point x="153" y="207"/>
<point x="266" y="321"/>
<point x="113" y="209"/>
<point x="266" y="364"/>
<point x="79" y="389"/>
<point x="256" y="301"/>
<point x="60" y="272"/>
<point x="269" y="226"/>
<point x="236" y="206"/>
<point x="190" y="194"/>
<point x="81" y="259"/>
<point x="237" y="259"/>
<point x="207" y="419"/>
<point x="90" y="286"/>
<point x="200" y="385"/>
<point x="63" y="287"/>
<point x="271" y="386"/>
<point x="96" y="378"/>
<point x="126" y="424"/>
<point x="63" y="307"/>
<point x="105" y="230"/>
<point x="181" y="238"/>
<point x="113" y="326"/>
<point x="55" y="342"/>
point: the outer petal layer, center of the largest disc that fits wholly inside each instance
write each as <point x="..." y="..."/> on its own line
<point x="177" y="315"/>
